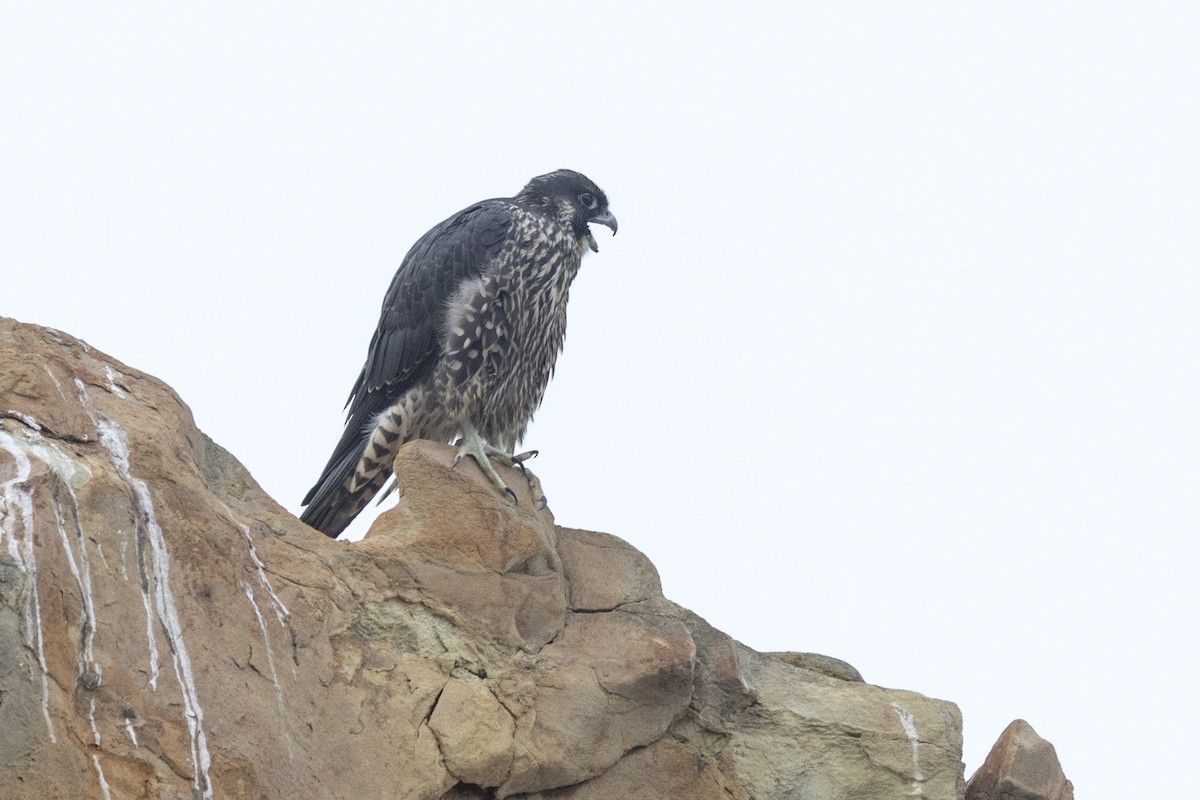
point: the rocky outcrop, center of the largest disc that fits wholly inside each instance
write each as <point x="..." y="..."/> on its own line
<point x="167" y="630"/>
<point x="1020" y="766"/>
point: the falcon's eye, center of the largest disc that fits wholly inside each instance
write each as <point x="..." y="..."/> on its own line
<point x="588" y="201"/>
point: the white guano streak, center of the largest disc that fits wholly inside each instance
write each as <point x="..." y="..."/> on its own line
<point x="29" y="421"/>
<point x="124" y="571"/>
<point x="77" y="554"/>
<point x="96" y="756"/>
<point x="129" y="730"/>
<point x="18" y="501"/>
<point x="281" y="612"/>
<point x="262" y="626"/>
<point x="910" y="730"/>
<point x="111" y="375"/>
<point x="57" y="385"/>
<point x="100" y="775"/>
<point x="147" y="604"/>
<point x="112" y="438"/>
<point x="92" y="722"/>
<point x="87" y="662"/>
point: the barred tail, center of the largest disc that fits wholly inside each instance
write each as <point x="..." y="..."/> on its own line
<point x="338" y="498"/>
<point x="360" y="466"/>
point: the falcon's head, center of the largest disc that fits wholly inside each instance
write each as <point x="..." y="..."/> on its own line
<point x="572" y="198"/>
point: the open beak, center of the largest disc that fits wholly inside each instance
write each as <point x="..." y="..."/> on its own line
<point x="606" y="218"/>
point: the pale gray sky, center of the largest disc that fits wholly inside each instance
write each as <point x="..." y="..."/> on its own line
<point x="894" y="358"/>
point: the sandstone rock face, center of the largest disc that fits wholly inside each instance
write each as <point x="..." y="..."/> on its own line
<point x="169" y="631"/>
<point x="826" y="665"/>
<point x="1020" y="766"/>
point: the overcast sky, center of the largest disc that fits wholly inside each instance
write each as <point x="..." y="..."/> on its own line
<point x="894" y="358"/>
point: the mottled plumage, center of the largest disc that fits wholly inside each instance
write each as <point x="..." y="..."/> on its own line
<point x="470" y="329"/>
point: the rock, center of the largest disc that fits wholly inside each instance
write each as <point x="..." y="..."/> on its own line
<point x="604" y="572"/>
<point x="825" y="665"/>
<point x="1020" y="766"/>
<point x="787" y="732"/>
<point x="664" y="769"/>
<point x="474" y="731"/>
<point x="167" y="630"/>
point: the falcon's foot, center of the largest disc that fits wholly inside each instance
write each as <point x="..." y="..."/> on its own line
<point x="535" y="485"/>
<point x="473" y="445"/>
<point x="535" y="489"/>
<point x="519" y="459"/>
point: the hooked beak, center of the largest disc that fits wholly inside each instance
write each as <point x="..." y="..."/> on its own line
<point x="607" y="219"/>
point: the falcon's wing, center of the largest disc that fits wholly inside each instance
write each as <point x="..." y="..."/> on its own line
<point x="407" y="338"/>
<point x="405" y="345"/>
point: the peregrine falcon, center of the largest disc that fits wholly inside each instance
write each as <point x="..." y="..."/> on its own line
<point x="466" y="343"/>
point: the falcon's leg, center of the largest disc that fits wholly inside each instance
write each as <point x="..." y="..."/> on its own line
<point x="473" y="445"/>
<point x="535" y="485"/>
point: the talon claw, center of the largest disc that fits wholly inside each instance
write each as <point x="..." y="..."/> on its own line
<point x="473" y="445"/>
